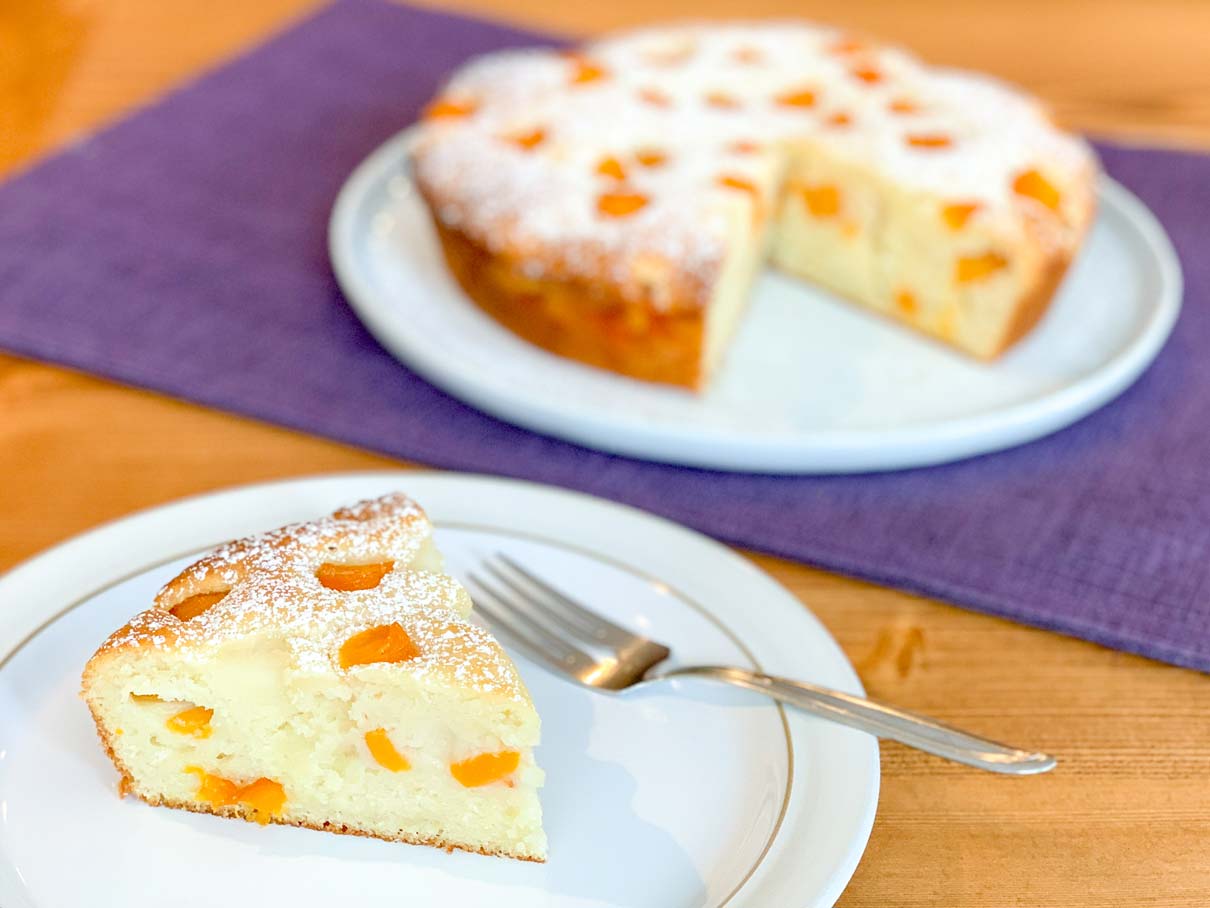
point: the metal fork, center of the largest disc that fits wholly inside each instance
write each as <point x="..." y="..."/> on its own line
<point x="572" y="640"/>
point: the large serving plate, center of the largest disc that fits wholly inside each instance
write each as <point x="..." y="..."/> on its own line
<point x="810" y="385"/>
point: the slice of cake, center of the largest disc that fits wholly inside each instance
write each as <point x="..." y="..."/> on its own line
<point x="613" y="204"/>
<point x="325" y="675"/>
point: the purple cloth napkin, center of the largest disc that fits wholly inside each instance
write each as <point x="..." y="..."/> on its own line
<point x="184" y="250"/>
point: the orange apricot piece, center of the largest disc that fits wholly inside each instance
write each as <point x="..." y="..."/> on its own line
<point x="145" y="698"/>
<point x="214" y="790"/>
<point x="192" y="721"/>
<point x="822" y="201"/>
<point x="868" y="74"/>
<point x="734" y="182"/>
<point x="729" y="181"/>
<point x="384" y="752"/>
<point x="587" y="71"/>
<point x="957" y="214"/>
<point x="527" y="141"/>
<point x="193" y="606"/>
<point x="620" y="204"/>
<point x="929" y="140"/>
<point x="611" y="167"/>
<point x="802" y="97"/>
<point x="384" y="643"/>
<point x="346" y="578"/>
<point x="1033" y="185"/>
<point x="840" y="118"/>
<point x="977" y="267"/>
<point x="448" y="108"/>
<point x="651" y="157"/>
<point x="264" y="797"/>
<point x="486" y="768"/>
<point x="906" y="302"/>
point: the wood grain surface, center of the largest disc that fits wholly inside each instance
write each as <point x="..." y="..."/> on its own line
<point x="1124" y="821"/>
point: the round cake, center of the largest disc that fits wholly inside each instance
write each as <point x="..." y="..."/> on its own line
<point x="614" y="203"/>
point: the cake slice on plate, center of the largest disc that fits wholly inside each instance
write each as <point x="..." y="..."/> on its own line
<point x="325" y="675"/>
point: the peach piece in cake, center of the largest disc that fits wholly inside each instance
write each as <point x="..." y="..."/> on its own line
<point x="384" y="643"/>
<point x="800" y="97"/>
<point x="972" y="268"/>
<point x="449" y="108"/>
<point x="264" y="797"/>
<point x="651" y="157"/>
<point x="620" y="204"/>
<point x="193" y="721"/>
<point x="610" y="166"/>
<point x="957" y="214"/>
<point x="821" y="201"/>
<point x="485" y="768"/>
<point x="528" y="140"/>
<point x="929" y="140"/>
<point x="587" y="71"/>
<point x="350" y="577"/>
<point x="1032" y="185"/>
<point x="905" y="302"/>
<point x="867" y="73"/>
<point x="214" y="790"/>
<point x="190" y="608"/>
<point x="384" y="752"/>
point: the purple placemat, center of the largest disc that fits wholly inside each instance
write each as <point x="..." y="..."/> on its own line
<point x="184" y="250"/>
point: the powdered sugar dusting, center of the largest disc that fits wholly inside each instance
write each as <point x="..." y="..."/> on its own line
<point x="273" y="591"/>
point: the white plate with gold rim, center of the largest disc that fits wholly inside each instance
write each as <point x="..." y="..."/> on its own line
<point x="810" y="384"/>
<point x="695" y="797"/>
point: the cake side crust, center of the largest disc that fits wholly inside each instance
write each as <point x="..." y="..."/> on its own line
<point x="238" y="813"/>
<point x="595" y="323"/>
<point x="1035" y="302"/>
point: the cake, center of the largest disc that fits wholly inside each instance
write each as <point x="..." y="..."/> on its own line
<point x="614" y="203"/>
<point x="325" y="675"/>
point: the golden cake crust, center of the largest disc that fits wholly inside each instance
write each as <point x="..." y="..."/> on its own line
<point x="592" y="322"/>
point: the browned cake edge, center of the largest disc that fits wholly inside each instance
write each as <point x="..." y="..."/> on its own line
<point x="1034" y="303"/>
<point x="588" y="321"/>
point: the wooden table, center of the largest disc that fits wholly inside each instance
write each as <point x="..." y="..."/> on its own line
<point x="1124" y="821"/>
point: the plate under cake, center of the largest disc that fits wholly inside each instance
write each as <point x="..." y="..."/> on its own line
<point x="613" y="204"/>
<point x="325" y="675"/>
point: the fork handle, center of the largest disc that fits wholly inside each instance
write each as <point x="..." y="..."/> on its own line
<point x="881" y="720"/>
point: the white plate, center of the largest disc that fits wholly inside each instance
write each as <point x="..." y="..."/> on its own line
<point x="685" y="796"/>
<point x="810" y="385"/>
